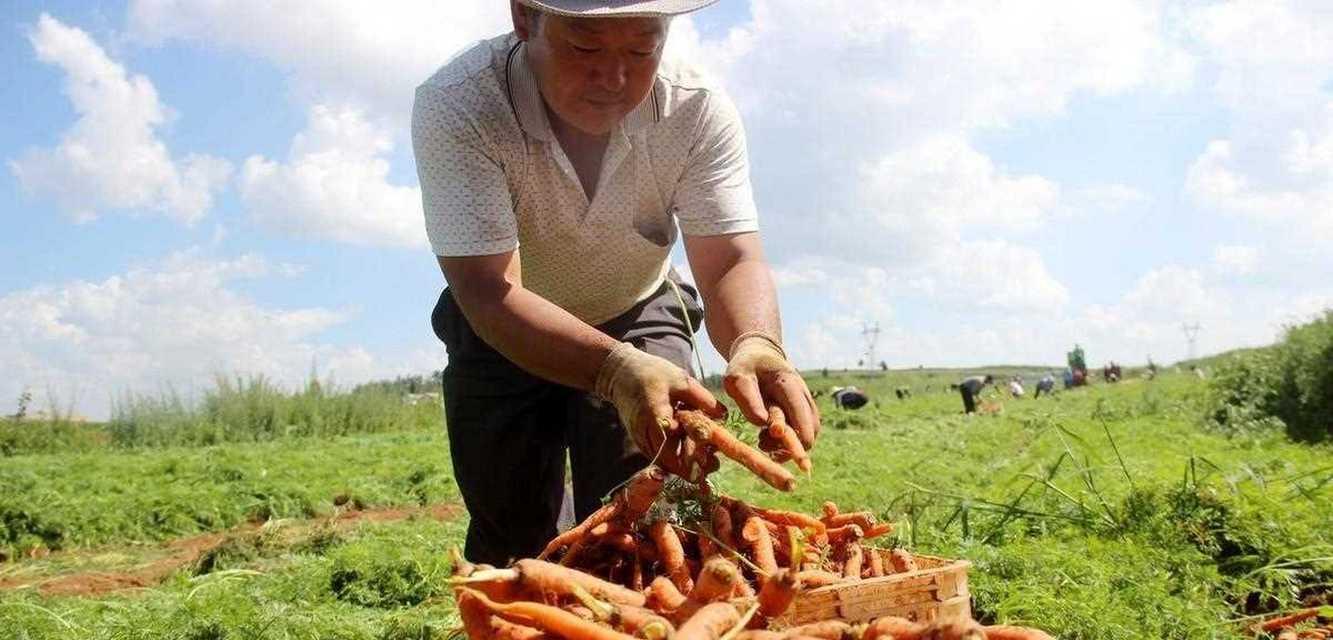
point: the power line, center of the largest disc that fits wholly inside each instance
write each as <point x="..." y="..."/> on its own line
<point x="1191" y="337"/>
<point x="870" y="333"/>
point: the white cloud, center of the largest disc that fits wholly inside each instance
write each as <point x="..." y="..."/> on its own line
<point x="176" y="322"/>
<point x="368" y="54"/>
<point x="1173" y="293"/>
<point x="1104" y="199"/>
<point x="1235" y="260"/>
<point x="335" y="185"/>
<point x="943" y="184"/>
<point x="112" y="157"/>
<point x="1272" y="64"/>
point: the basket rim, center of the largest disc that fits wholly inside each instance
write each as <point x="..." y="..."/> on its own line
<point x="950" y="564"/>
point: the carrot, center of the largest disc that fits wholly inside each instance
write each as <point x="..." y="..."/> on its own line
<point x="540" y="578"/>
<point x="1288" y="634"/>
<point x="879" y="530"/>
<point x="671" y="553"/>
<point x="704" y="430"/>
<point x="715" y="581"/>
<point x="827" y="629"/>
<point x="830" y="508"/>
<point x="1010" y="632"/>
<point x="552" y="619"/>
<point x="710" y="623"/>
<point x="634" y="619"/>
<point x="893" y="628"/>
<point x="902" y="561"/>
<point x="722" y="526"/>
<point x="851" y="566"/>
<point x="759" y="634"/>
<point x="636" y="572"/>
<point x="462" y="567"/>
<point x="1286" y="621"/>
<point x="663" y="596"/>
<point x="502" y="629"/>
<point x="475" y="616"/>
<point x="630" y="503"/>
<point x="876" y="563"/>
<point x="779" y="430"/>
<point x="955" y="630"/>
<point x="864" y="519"/>
<point x="816" y="578"/>
<point x="777" y="593"/>
<point x="760" y="541"/>
<point x="845" y="534"/>
<point x="790" y="518"/>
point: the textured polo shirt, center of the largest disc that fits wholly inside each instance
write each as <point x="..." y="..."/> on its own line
<point x="494" y="179"/>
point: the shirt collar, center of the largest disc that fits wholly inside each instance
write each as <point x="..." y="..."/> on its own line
<point x="525" y="99"/>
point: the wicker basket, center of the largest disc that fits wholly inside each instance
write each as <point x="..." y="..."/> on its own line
<point x="937" y="590"/>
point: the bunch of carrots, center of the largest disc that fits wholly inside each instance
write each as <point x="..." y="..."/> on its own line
<point x="713" y="569"/>
<point x="1315" y="623"/>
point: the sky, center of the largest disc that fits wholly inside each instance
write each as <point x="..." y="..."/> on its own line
<point x="192" y="188"/>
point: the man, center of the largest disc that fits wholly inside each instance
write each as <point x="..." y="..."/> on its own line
<point x="556" y="162"/>
<point x="971" y="388"/>
<point x="1046" y="385"/>
<point x="849" y="397"/>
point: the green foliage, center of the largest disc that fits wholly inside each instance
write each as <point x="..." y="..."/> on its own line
<point x="154" y="494"/>
<point x="1101" y="513"/>
<point x="1288" y="385"/>
<point x="1305" y="394"/>
<point x="256" y="410"/>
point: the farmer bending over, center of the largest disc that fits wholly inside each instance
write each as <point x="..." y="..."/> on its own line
<point x="555" y="163"/>
<point x="971" y="388"/>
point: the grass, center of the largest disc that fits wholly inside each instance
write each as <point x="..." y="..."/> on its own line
<point x="1101" y="513"/>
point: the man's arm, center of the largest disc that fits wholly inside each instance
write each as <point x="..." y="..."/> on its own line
<point x="741" y="300"/>
<point x="528" y="329"/>
<point x="551" y="343"/>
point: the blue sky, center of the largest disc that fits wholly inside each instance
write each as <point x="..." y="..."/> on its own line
<point x="988" y="184"/>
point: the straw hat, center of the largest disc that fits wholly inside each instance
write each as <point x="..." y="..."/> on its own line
<point x="617" y="8"/>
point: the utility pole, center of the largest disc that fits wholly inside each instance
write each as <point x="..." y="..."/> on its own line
<point x="1191" y="337"/>
<point x="870" y="333"/>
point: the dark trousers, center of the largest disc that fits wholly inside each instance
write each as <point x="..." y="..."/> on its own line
<point x="509" y="430"/>
<point x="969" y="402"/>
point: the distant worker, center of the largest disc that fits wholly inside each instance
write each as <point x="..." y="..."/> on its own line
<point x="1016" y="387"/>
<point x="971" y="388"/>
<point x="1045" y="385"/>
<point x="903" y="393"/>
<point x="1069" y="378"/>
<point x="849" y="397"/>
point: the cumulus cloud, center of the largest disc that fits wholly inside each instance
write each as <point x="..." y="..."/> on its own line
<point x="366" y="54"/>
<point x="112" y="157"/>
<point x="1272" y="62"/>
<point x="178" y="322"/>
<point x="1235" y="260"/>
<point x="335" y="185"/>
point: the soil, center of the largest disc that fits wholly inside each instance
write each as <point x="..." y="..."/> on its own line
<point x="181" y="553"/>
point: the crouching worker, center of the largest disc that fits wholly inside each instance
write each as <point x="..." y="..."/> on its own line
<point x="970" y="389"/>
<point x="556" y="163"/>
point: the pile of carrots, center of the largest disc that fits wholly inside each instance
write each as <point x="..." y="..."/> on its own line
<point x="1307" y="624"/>
<point x="703" y="567"/>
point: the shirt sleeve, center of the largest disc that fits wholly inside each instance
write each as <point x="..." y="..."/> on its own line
<point x="715" y="197"/>
<point x="464" y="193"/>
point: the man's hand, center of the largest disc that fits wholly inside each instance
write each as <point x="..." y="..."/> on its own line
<point x="759" y="375"/>
<point x="644" y="389"/>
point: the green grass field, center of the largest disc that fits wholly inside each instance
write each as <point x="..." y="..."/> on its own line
<point x="1108" y="512"/>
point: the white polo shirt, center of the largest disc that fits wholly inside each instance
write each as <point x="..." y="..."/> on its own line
<point x="494" y="178"/>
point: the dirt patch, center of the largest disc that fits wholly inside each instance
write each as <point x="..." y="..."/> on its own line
<point x="181" y="553"/>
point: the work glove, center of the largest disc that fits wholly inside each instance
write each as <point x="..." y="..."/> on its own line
<point x="644" y="389"/>
<point x="759" y="376"/>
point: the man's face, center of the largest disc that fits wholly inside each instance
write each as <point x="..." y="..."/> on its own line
<point x="593" y="71"/>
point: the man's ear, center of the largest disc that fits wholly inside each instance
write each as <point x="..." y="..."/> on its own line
<point x="523" y="23"/>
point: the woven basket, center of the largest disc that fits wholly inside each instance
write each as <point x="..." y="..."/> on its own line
<point x="937" y="590"/>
